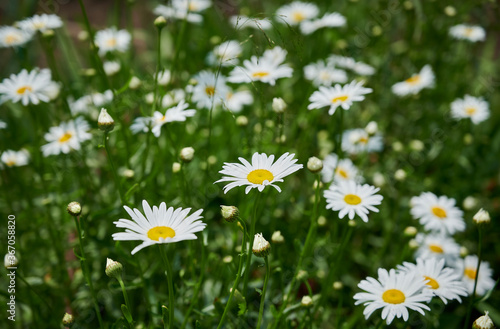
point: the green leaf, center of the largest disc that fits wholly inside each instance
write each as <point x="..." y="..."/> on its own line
<point x="243" y="308"/>
<point x="259" y="291"/>
<point x="126" y="314"/>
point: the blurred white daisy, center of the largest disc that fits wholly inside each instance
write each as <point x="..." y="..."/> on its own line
<point x="328" y="20"/>
<point x="111" y="67"/>
<point x="437" y="246"/>
<point x="363" y="69"/>
<point x="159" y="225"/>
<point x="242" y="21"/>
<point x="350" y="63"/>
<point x="3" y="125"/>
<point x="296" y="12"/>
<point x="355" y="141"/>
<point x="260" y="173"/>
<point x="234" y="101"/>
<point x="350" y="198"/>
<point x="209" y="90"/>
<point x="190" y="10"/>
<point x="109" y="40"/>
<point x="472" y="33"/>
<point x="27" y="87"/>
<point x="13" y="158"/>
<point x="323" y="74"/>
<point x="335" y="170"/>
<point x="414" y="84"/>
<point x="90" y="102"/>
<point x="485" y="282"/>
<point x="41" y="23"/>
<point x="173" y="97"/>
<point x="443" y="282"/>
<point x="66" y="137"/>
<point x="338" y="95"/>
<point x="12" y="37"/>
<point x="163" y="77"/>
<point x="473" y="108"/>
<point x="225" y="54"/>
<point x="438" y="214"/>
<point x="394" y="293"/>
<point x="267" y="68"/>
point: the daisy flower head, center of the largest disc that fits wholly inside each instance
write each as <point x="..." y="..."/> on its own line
<point x="473" y="108"/>
<point x="472" y="33"/>
<point x="437" y="214"/>
<point x="441" y="281"/>
<point x="27" y="87"/>
<point x="335" y="170"/>
<point x="266" y="69"/>
<point x="296" y="12"/>
<point x="485" y="282"/>
<point x="437" y="246"/>
<point x="225" y="54"/>
<point x="66" y="137"/>
<point x="234" y="101"/>
<point x="323" y="74"/>
<point x="242" y="21"/>
<point x="328" y="20"/>
<point x="15" y="158"/>
<point x="41" y="23"/>
<point x="189" y="10"/>
<point x="350" y="198"/>
<point x="414" y="84"/>
<point x="176" y="113"/>
<point x="209" y="90"/>
<point x="355" y="141"/>
<point x="158" y="225"/>
<point x="12" y="37"/>
<point x="174" y="96"/>
<point x="338" y="95"/>
<point x="262" y="172"/>
<point x="109" y="40"/>
<point x="394" y="293"/>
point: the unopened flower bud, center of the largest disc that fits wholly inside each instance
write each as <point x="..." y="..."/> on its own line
<point x="74" y="208"/>
<point x="321" y="221"/>
<point x="417" y="145"/>
<point x="260" y="246"/>
<point x="176" y="167"/>
<point x="378" y="179"/>
<point x="483" y="322"/>
<point x="371" y="128"/>
<point x="68" y="320"/>
<point x="105" y="122"/>
<point x="413" y="244"/>
<point x="352" y="223"/>
<point x="229" y="213"/>
<point x="337" y="285"/>
<point x="400" y="175"/>
<point x="279" y="105"/>
<point x="113" y="268"/>
<point x="277" y="237"/>
<point x="410" y="231"/>
<point x="187" y="154"/>
<point x="314" y="164"/>
<point x="241" y="121"/>
<point x="450" y="11"/>
<point x="160" y="22"/>
<point x="481" y="217"/>
<point x="134" y="83"/>
<point x="83" y="35"/>
<point x="10" y="261"/>
<point x="306" y="301"/>
<point x="397" y="146"/>
<point x="227" y="259"/>
<point x="464" y="251"/>
<point x="470" y="203"/>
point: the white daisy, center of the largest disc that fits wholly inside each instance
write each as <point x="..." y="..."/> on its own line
<point x="485" y="282"/>
<point x="33" y="87"/>
<point x="335" y="170"/>
<point x="437" y="246"/>
<point x="184" y="9"/>
<point x="438" y="214"/>
<point x="15" y="158"/>
<point x="111" y="67"/>
<point x="472" y="33"/>
<point x="66" y="137"/>
<point x="225" y="54"/>
<point x="322" y="74"/>
<point x="234" y="101"/>
<point x="41" y="23"/>
<point x="296" y="12"/>
<point x="442" y="282"/>
<point x="173" y="97"/>
<point x="355" y="141"/>
<point x="395" y="293"/>
<point x="473" y="108"/>
<point x="338" y="95"/>
<point x="414" y="84"/>
<point x="242" y="21"/>
<point x="111" y="39"/>
<point x="209" y="90"/>
<point x="267" y="68"/>
<point x="342" y="61"/>
<point x="363" y="69"/>
<point x="159" y="225"/>
<point x="260" y="173"/>
<point x="350" y="198"/>
<point x="163" y="77"/>
<point x="12" y="37"/>
<point x="3" y="125"/>
<point x="328" y="20"/>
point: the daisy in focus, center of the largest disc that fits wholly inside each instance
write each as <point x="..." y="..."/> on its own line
<point x="472" y="33"/>
<point x="328" y="20"/>
<point x="262" y="172"/>
<point x="485" y="282"/>
<point x="414" y="84"/>
<point x="437" y="246"/>
<point x="473" y="108"/>
<point x="158" y="225"/>
<point x="350" y="198"/>
<point x="355" y="141"/>
<point x="209" y="90"/>
<point x="27" y="87"/>
<point x="394" y="293"/>
<point x="66" y="137"/>
<point x="41" y="23"/>
<point x="323" y="74"/>
<point x="437" y="214"/>
<point x="296" y="12"/>
<point x="338" y="95"/>
<point x="111" y="39"/>
<point x="335" y="170"/>
<point x="15" y="158"/>
<point x="225" y="54"/>
<point x="12" y="37"/>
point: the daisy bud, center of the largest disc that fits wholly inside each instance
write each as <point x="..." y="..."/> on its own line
<point x="468" y="139"/>
<point x="306" y="301"/>
<point x="277" y="237"/>
<point x="417" y="145"/>
<point x="176" y="167"/>
<point x="483" y="322"/>
<point x="215" y="40"/>
<point x="470" y="203"/>
<point x="337" y="285"/>
<point x="410" y="231"/>
<point x="242" y="121"/>
<point x="111" y="68"/>
<point x="352" y="223"/>
<point x="187" y="154"/>
<point x="371" y="128"/>
<point x="134" y="83"/>
<point x="68" y="320"/>
<point x="378" y="179"/>
<point x="413" y="244"/>
<point x="227" y="259"/>
<point x="83" y="35"/>
<point x="89" y="72"/>
<point x="464" y="251"/>
<point x="377" y="30"/>
<point x="74" y="208"/>
<point x="160" y="22"/>
<point x="229" y="213"/>
<point x="450" y="11"/>
<point x="481" y="217"/>
<point x="314" y="165"/>
<point x="279" y="105"/>
<point x="400" y="175"/>
<point x="260" y="246"/>
<point x="105" y="122"/>
<point x="149" y="98"/>
<point x="341" y="43"/>
<point x="321" y="221"/>
<point x="128" y="173"/>
<point x="212" y="159"/>
<point x="397" y="146"/>
<point x="10" y="261"/>
<point x="113" y="268"/>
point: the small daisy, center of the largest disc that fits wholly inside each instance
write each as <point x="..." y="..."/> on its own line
<point x="395" y="293"/>
<point x="437" y="246"/>
<point x="27" y="87"/>
<point x="260" y="173"/>
<point x="328" y="20"/>
<point x="335" y="170"/>
<point x="267" y="68"/>
<point x="111" y="39"/>
<point x="338" y="95"/>
<point x="485" y="281"/>
<point x="225" y="54"/>
<point x="473" y="108"/>
<point x="242" y="21"/>
<point x="159" y="225"/>
<point x="350" y="198"/>
<point x="322" y="74"/>
<point x="296" y="12"/>
<point x="414" y="84"/>
<point x="234" y="101"/>
<point x="176" y="113"/>
<point x="442" y="282"/>
<point x="209" y="90"/>
<point x="41" y="23"/>
<point x="15" y="158"/>
<point x="342" y="61"/>
<point x="163" y="77"/>
<point x="473" y="33"/>
<point x="355" y="141"/>
<point x="363" y="69"/>
<point x="12" y="37"/>
<point x="111" y="67"/>
<point x="188" y="10"/>
<point x="66" y="137"/>
<point x="438" y="214"/>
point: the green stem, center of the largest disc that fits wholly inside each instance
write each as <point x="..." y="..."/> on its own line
<point x="340" y="132"/>
<point x="125" y="296"/>
<point x="115" y="174"/>
<point x="263" y="297"/>
<point x="169" y="274"/>
<point x="473" y="295"/>
<point x="252" y="236"/>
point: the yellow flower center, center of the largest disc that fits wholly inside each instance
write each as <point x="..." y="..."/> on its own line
<point x="258" y="176"/>
<point x="393" y="296"/>
<point x="210" y="90"/>
<point x="298" y="16"/>
<point x="352" y="199"/>
<point x="413" y="80"/>
<point x="339" y="99"/>
<point x="192" y="7"/>
<point x="468" y="31"/>
<point x="436" y="248"/>
<point x="439" y="212"/>
<point x="10" y="163"/>
<point x="23" y="90"/>
<point x="470" y="111"/>
<point x="341" y="172"/>
<point x="260" y="74"/>
<point x="363" y="140"/>
<point x="66" y="137"/>
<point x="11" y="38"/>
<point x="432" y="283"/>
<point x="470" y="273"/>
<point x="111" y="42"/>
<point x="161" y="232"/>
<point x="229" y="96"/>
<point x="39" y="25"/>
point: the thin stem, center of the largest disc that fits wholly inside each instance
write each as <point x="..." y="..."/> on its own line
<point x="125" y="296"/>
<point x="252" y="236"/>
<point x="473" y="295"/>
<point x="168" y="273"/>
<point x="115" y="175"/>
<point x="340" y="132"/>
<point x="263" y="297"/>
